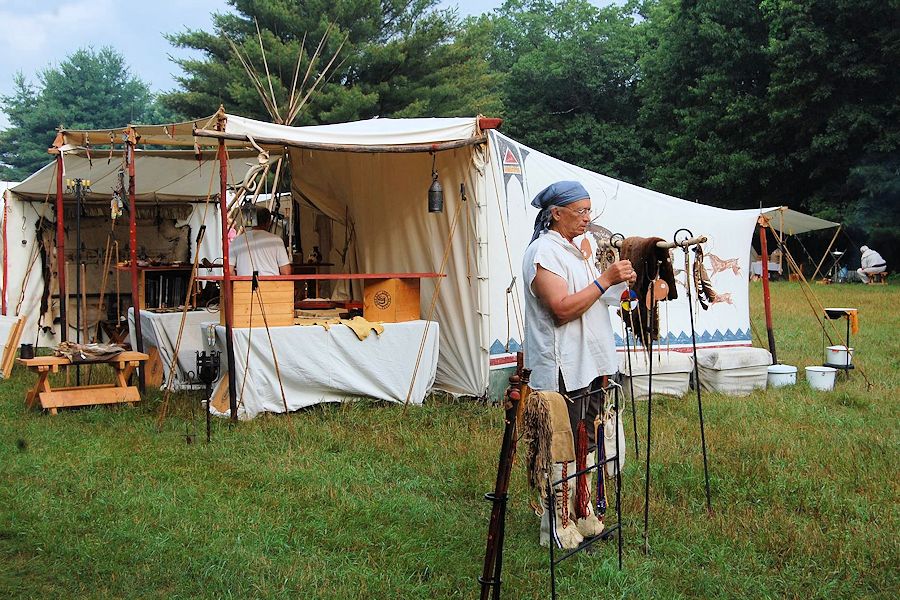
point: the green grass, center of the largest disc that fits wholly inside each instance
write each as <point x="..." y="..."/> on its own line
<point x="364" y="500"/>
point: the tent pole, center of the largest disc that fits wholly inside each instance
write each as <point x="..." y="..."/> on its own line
<point x="61" y="250"/>
<point x="763" y="226"/>
<point x="132" y="243"/>
<point x="781" y="238"/>
<point x="5" y="252"/>
<point x="226" y="301"/>
<point x="827" y="250"/>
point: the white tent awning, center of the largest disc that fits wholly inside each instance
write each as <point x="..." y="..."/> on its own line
<point x="791" y="222"/>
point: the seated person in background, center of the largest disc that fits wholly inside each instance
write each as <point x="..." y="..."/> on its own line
<point x="258" y="250"/>
<point x="871" y="263"/>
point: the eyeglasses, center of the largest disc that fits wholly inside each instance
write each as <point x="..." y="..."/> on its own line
<point x="579" y="211"/>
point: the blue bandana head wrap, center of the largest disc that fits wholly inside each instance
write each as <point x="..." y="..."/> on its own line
<point x="560" y="193"/>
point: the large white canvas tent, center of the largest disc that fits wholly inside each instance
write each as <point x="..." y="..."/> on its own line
<point x="371" y="179"/>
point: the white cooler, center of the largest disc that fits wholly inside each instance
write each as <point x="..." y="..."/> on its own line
<point x="733" y="371"/>
<point x="671" y="373"/>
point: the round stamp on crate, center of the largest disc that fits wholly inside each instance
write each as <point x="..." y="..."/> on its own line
<point x="382" y="299"/>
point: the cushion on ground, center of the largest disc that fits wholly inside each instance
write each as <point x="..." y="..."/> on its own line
<point x="733" y="371"/>
<point x="671" y="373"/>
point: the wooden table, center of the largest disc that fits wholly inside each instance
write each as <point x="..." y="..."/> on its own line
<point x="86" y="395"/>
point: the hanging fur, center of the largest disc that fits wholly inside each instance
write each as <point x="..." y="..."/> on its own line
<point x="706" y="295"/>
<point x="582" y="494"/>
<point x="547" y="435"/>
<point x="650" y="262"/>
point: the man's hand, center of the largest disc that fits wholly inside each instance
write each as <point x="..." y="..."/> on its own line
<point x="618" y="272"/>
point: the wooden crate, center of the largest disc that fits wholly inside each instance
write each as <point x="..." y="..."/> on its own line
<point x="391" y="300"/>
<point x="278" y="297"/>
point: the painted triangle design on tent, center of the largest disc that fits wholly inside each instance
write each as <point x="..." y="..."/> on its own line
<point x="509" y="158"/>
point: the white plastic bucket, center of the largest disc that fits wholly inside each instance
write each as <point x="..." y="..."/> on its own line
<point x="837" y="355"/>
<point x="821" y="378"/>
<point x="782" y="375"/>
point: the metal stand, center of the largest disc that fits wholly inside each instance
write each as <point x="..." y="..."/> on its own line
<point x="208" y="372"/>
<point x="652" y="312"/>
<point x="599" y="466"/>
<point x="637" y="453"/>
<point x="832" y="314"/>
<point x="696" y="368"/>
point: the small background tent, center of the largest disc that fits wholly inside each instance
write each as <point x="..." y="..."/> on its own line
<point x="786" y="222"/>
<point x="370" y="179"/>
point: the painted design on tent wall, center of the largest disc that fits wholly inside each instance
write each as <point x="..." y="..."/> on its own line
<point x="511" y="158"/>
<point x="718" y="265"/>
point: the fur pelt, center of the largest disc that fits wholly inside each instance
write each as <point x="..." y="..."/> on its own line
<point x="547" y="434"/>
<point x="649" y="262"/>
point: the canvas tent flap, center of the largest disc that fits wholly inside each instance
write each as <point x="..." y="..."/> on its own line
<point x="159" y="176"/>
<point x="374" y="132"/>
<point x="791" y="222"/>
<point x="384" y="195"/>
<point x="168" y="134"/>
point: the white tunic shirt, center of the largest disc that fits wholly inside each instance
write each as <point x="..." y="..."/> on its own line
<point x="266" y="249"/>
<point x="582" y="349"/>
<point x="871" y="259"/>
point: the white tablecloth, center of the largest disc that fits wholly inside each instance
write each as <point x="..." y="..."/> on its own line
<point x="756" y="267"/>
<point x="319" y="365"/>
<point x="161" y="330"/>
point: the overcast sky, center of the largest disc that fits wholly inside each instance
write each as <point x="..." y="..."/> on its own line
<point x="40" y="33"/>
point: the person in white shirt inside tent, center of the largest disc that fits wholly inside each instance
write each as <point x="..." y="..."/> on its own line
<point x="258" y="250"/>
<point x="871" y="263"/>
<point x="569" y="343"/>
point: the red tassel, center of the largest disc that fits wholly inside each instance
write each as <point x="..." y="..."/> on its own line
<point x="582" y="494"/>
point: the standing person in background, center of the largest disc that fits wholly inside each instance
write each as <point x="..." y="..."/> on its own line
<point x="569" y="344"/>
<point x="258" y="250"/>
<point x="871" y="263"/>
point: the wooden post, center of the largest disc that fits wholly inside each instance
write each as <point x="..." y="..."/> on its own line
<point x="827" y="250"/>
<point x="132" y="243"/>
<point x="61" y="249"/>
<point x="767" y="302"/>
<point x="225" y="303"/>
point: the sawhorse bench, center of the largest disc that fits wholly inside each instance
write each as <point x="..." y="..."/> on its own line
<point x="117" y="392"/>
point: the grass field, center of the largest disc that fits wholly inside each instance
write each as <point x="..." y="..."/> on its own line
<point x="363" y="500"/>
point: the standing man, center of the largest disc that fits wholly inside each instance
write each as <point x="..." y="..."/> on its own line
<point x="569" y="344"/>
<point x="870" y="264"/>
<point x="258" y="250"/>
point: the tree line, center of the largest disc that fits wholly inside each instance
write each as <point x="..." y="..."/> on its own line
<point x="733" y="103"/>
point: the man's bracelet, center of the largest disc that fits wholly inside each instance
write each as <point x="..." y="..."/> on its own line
<point x="599" y="287"/>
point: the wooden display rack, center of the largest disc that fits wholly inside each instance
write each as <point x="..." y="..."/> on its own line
<point x="118" y="392"/>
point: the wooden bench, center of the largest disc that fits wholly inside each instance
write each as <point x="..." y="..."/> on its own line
<point x="118" y="392"/>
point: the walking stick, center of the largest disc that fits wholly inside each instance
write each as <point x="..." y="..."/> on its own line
<point x="493" y="556"/>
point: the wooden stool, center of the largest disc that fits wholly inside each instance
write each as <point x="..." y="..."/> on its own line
<point x="879" y="278"/>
